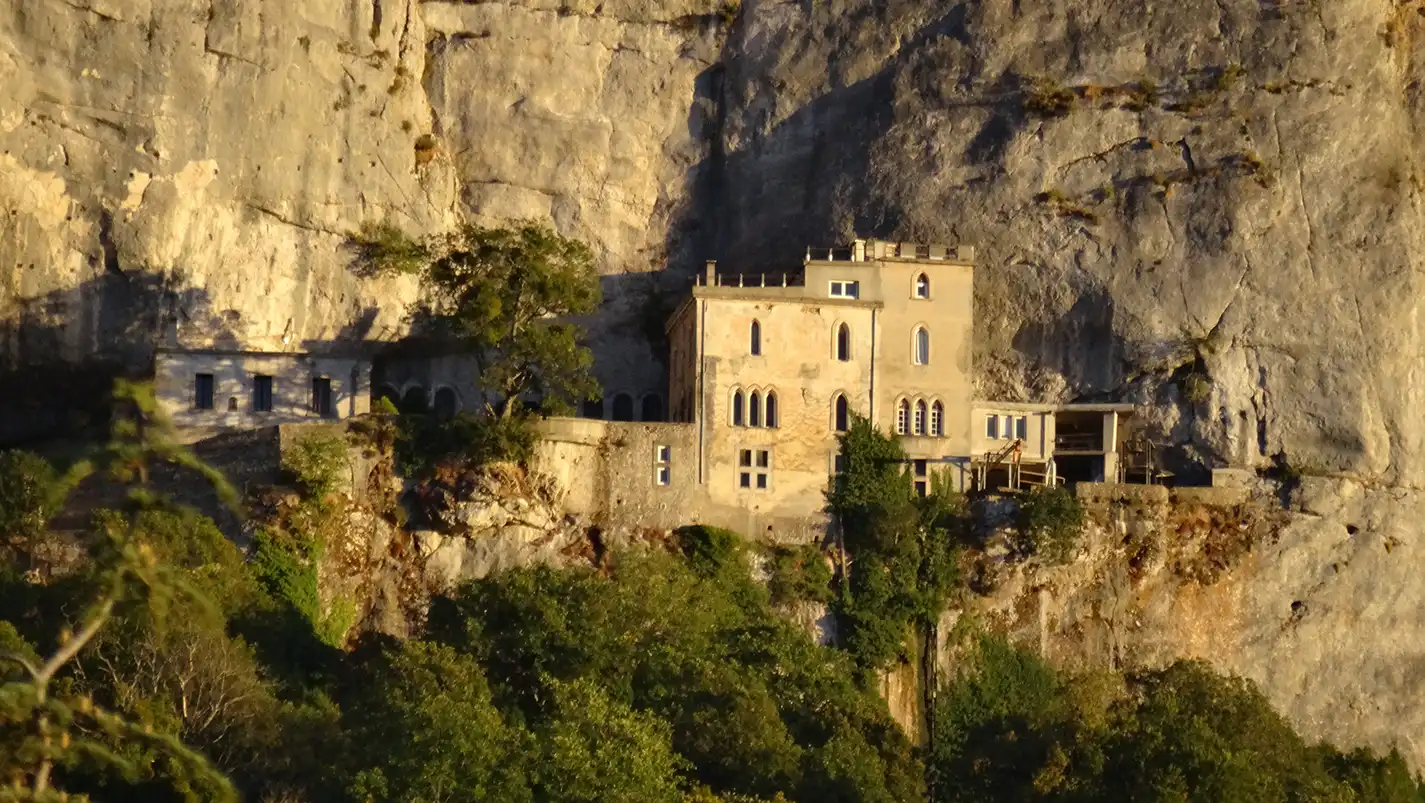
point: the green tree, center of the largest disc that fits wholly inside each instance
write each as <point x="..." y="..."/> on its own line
<point x="425" y="731"/>
<point x="505" y="295"/>
<point x="30" y="493"/>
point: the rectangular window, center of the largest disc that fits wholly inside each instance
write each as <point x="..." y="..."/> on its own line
<point x="1021" y="428"/>
<point x="203" y="392"/>
<point x="754" y="469"/>
<point x="921" y="468"/>
<point x="262" y="394"/>
<point x="922" y="488"/>
<point x="322" y="397"/>
<point x="838" y="464"/>
<point x="992" y="427"/>
<point x="844" y="289"/>
<point x="662" y="464"/>
<point x="1007" y="428"/>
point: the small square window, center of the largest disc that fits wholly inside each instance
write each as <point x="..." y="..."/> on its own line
<point x="662" y="457"/>
<point x="764" y="459"/>
<point x="665" y="476"/>
<point x="744" y="458"/>
<point x="744" y="479"/>
<point x="761" y="482"/>
<point x="662" y="453"/>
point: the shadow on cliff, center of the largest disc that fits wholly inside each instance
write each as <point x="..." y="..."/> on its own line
<point x="60" y="352"/>
<point x="809" y="180"/>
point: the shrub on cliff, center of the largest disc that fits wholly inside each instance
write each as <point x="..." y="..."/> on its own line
<point x="318" y="462"/>
<point x="30" y="493"/>
<point x="1049" y="524"/>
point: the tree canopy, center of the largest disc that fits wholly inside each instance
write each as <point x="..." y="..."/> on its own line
<point x="507" y="296"/>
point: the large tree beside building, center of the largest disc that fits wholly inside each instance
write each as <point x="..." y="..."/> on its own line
<point x="507" y="296"/>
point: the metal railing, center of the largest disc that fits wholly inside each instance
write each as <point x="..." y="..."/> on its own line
<point x="787" y="279"/>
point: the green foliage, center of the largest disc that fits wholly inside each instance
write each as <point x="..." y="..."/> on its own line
<point x="1049" y="525"/>
<point x="425" y="443"/>
<point x="424" y="729"/>
<point x="798" y="573"/>
<point x="903" y="555"/>
<point x="728" y="11"/>
<point x="1045" y="97"/>
<point x="30" y="493"/>
<point x="506" y="296"/>
<point x="318" y="462"/>
<point x="383" y="249"/>
<point x="710" y="551"/>
<point x="1010" y="728"/>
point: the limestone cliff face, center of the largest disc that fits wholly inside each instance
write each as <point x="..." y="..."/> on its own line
<point x="1225" y="188"/>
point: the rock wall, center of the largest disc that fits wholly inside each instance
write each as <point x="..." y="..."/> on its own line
<point x="1209" y="207"/>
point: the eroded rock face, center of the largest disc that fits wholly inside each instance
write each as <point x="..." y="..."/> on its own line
<point x="1228" y="188"/>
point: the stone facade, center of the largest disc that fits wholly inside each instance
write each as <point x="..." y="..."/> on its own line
<point x="207" y="392"/>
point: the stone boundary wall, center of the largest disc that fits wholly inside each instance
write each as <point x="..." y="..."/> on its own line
<point x="1216" y="497"/>
<point x="1102" y="492"/>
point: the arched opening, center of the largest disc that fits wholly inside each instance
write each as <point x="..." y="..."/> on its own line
<point x="841" y="413"/>
<point x="447" y="403"/>
<point x="390" y="394"/>
<point x="902" y="417"/>
<point x="771" y="417"/>
<point x="754" y="409"/>
<point x="756" y="338"/>
<point x="737" y="409"/>
<point x="920" y="418"/>
<point x="652" y="407"/>
<point x="623" y="407"/>
<point x="593" y="408"/>
<point x="922" y="286"/>
<point x="415" y="401"/>
<point x="843" y="343"/>
<point x="937" y="420"/>
<point x="922" y="346"/>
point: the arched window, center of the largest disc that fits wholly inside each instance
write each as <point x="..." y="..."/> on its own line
<point x="841" y="413"/>
<point x="652" y="407"/>
<point x="389" y="394"/>
<point x="594" y="408"/>
<point x="623" y="407"/>
<point x="937" y="420"/>
<point x="756" y="338"/>
<point x="771" y="417"/>
<point x="754" y="409"/>
<point x="447" y="404"/>
<point x="922" y="346"/>
<point x="843" y="343"/>
<point x="920" y="418"/>
<point x="414" y="400"/>
<point x="902" y="417"/>
<point x="922" y="286"/>
<point x="737" y="409"/>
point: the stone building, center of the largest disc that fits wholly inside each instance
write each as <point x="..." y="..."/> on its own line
<point x="209" y="391"/>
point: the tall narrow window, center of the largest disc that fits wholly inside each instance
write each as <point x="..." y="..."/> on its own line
<point x="922" y="346"/>
<point x="920" y="418"/>
<point x="922" y="286"/>
<point x="623" y="407"/>
<point x="1021" y="427"/>
<point x="737" y="409"/>
<point x="771" y="417"/>
<point x="937" y="420"/>
<point x="992" y="427"/>
<point x="322" y="396"/>
<point x="902" y="417"/>
<point x="203" y="391"/>
<point x="652" y="407"/>
<point x="756" y="338"/>
<point x="841" y="413"/>
<point x="262" y="394"/>
<point x="843" y="343"/>
<point x="754" y="409"/>
<point x="446" y="403"/>
<point x="1006" y="427"/>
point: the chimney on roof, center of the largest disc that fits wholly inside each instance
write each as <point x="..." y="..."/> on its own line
<point x="711" y="274"/>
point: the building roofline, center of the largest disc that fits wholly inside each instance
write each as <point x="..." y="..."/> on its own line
<point x="1068" y="407"/>
<point x="222" y="352"/>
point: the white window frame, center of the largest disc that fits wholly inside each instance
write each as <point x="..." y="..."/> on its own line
<point x="992" y="426"/>
<point x="662" y="464"/>
<point x="915" y="335"/>
<point x="754" y="468"/>
<point x="915" y="286"/>
<point x="902" y="417"/>
<point x="1006" y="427"/>
<point x="843" y="288"/>
<point x="1021" y="427"/>
<point x="937" y="419"/>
